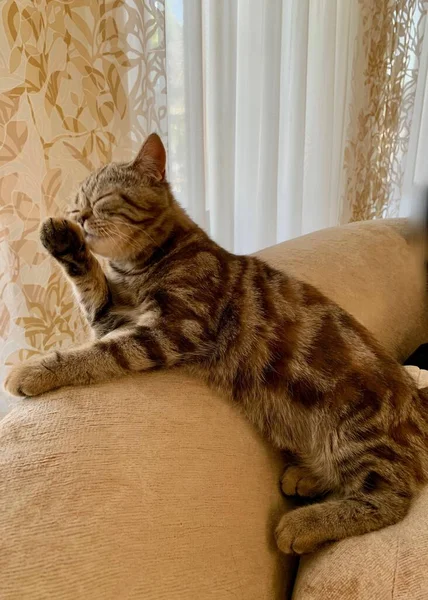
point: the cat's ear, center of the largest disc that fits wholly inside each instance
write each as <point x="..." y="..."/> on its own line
<point x="152" y="157"/>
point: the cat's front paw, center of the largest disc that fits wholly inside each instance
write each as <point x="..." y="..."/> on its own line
<point x="301" y="531"/>
<point x="31" y="378"/>
<point x="62" y="238"/>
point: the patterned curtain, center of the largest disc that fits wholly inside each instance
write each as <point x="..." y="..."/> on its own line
<point x="386" y="65"/>
<point x="82" y="82"/>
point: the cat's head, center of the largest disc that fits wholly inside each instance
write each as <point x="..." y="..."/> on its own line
<point x="121" y="206"/>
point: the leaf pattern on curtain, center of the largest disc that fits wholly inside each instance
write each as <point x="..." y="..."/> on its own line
<point x="81" y="83"/>
<point x="384" y="84"/>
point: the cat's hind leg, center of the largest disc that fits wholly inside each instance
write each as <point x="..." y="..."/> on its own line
<point x="375" y="496"/>
<point x="305" y="529"/>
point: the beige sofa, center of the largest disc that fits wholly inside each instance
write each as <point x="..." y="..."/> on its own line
<point x="155" y="488"/>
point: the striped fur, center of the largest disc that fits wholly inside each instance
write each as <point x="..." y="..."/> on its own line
<point x="308" y="375"/>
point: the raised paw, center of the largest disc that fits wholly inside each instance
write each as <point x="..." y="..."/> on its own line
<point x="296" y="481"/>
<point x="302" y="530"/>
<point x="61" y="237"/>
<point x="33" y="377"/>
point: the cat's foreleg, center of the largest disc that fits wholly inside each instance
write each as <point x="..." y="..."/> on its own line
<point x="113" y="356"/>
<point x="64" y="240"/>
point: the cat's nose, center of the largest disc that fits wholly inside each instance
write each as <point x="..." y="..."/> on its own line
<point x="84" y="216"/>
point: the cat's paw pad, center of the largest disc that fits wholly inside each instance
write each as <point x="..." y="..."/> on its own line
<point x="300" y="531"/>
<point x="31" y="378"/>
<point x="61" y="237"/>
<point x="297" y="482"/>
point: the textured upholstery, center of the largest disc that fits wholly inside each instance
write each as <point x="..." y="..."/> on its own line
<point x="149" y="488"/>
<point x="153" y="487"/>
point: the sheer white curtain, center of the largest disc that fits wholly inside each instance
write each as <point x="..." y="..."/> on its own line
<point x="416" y="166"/>
<point x="258" y="92"/>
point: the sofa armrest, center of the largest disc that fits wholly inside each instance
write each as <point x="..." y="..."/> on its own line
<point x="148" y="487"/>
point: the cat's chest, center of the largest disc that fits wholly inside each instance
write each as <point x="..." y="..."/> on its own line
<point x="145" y="315"/>
<point x="130" y="293"/>
<point x="138" y="310"/>
<point x="126" y="297"/>
<point x="131" y="307"/>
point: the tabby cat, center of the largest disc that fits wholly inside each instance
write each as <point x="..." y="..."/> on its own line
<point x="305" y="372"/>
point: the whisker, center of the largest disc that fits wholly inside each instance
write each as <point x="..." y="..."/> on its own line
<point x="112" y="231"/>
<point x="133" y="228"/>
<point x="126" y="238"/>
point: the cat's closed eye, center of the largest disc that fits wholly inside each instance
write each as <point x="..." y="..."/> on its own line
<point x="103" y="197"/>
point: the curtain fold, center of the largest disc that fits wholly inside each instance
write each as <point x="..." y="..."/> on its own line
<point x="219" y="52"/>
